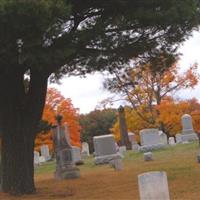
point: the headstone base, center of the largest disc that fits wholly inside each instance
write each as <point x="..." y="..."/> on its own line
<point x="106" y="159"/>
<point x="147" y="148"/>
<point x="71" y="172"/>
<point x="189" y="137"/>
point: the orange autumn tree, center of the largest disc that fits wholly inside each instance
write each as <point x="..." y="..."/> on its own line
<point x="144" y="89"/>
<point x="171" y="112"/>
<point x="57" y="104"/>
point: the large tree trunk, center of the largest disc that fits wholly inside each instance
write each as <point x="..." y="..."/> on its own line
<point x="20" y="112"/>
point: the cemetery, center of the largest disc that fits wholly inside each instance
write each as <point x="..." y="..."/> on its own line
<point x="138" y="140"/>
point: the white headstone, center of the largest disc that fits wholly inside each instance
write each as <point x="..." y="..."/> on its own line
<point x="171" y="141"/>
<point x="153" y="186"/>
<point x="36" y="158"/>
<point x="45" y="152"/>
<point x="85" y="150"/>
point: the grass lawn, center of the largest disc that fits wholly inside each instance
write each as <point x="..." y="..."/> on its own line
<point x="102" y="182"/>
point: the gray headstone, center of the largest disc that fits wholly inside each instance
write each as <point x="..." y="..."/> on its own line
<point x="45" y="152"/>
<point x="105" y="149"/>
<point x="153" y="186"/>
<point x="104" y="145"/>
<point x="187" y="124"/>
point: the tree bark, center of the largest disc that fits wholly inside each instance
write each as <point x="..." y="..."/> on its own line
<point x="20" y="113"/>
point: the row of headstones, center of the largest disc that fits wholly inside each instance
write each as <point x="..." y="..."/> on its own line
<point x="77" y="154"/>
<point x="154" y="139"/>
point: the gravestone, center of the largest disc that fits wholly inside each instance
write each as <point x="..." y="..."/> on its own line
<point x="150" y="140"/>
<point x="188" y="133"/>
<point x="65" y="167"/>
<point x="105" y="149"/>
<point x="45" y="152"/>
<point x="36" y="158"/>
<point x="148" y="156"/>
<point x="171" y="141"/>
<point x="85" y="150"/>
<point x="123" y="129"/>
<point x="153" y="186"/>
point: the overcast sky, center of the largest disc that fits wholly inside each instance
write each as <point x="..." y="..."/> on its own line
<point x="87" y="92"/>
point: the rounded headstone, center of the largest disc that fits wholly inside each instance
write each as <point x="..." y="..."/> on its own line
<point x="186" y="122"/>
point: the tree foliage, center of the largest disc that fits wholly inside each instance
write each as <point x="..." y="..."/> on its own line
<point x="57" y="104"/>
<point x="144" y="89"/>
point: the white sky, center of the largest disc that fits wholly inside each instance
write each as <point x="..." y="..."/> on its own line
<point x="87" y="92"/>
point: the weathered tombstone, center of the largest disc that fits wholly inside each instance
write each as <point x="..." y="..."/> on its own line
<point x="45" y="152"/>
<point x="178" y="138"/>
<point x="65" y="167"/>
<point x="85" y="150"/>
<point x="153" y="186"/>
<point x="188" y="133"/>
<point x="148" y="156"/>
<point x="105" y="149"/>
<point x="163" y="137"/>
<point x="150" y="140"/>
<point x="123" y="129"/>
<point x="171" y="141"/>
<point x="36" y="158"/>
